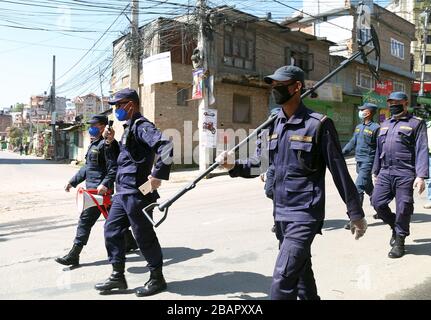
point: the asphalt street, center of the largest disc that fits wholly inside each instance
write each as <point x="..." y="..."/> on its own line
<point x="216" y="241"/>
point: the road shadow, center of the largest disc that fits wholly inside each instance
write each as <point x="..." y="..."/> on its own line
<point x="170" y="256"/>
<point x="25" y="161"/>
<point x="418" y="292"/>
<point x="38" y="227"/>
<point x="223" y="283"/>
<point x="421" y="217"/>
<point x="335" y="224"/>
<point x="422" y="248"/>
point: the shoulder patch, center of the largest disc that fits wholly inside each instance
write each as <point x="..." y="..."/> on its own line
<point x="417" y="118"/>
<point x="317" y="115"/>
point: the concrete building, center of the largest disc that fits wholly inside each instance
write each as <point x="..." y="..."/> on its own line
<point x="5" y="124"/>
<point x="89" y="104"/>
<point x="244" y="48"/>
<point x="413" y="11"/>
<point x="395" y="35"/>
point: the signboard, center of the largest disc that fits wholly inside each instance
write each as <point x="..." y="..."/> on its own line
<point x="157" y="68"/>
<point x="373" y="97"/>
<point x="327" y="91"/>
<point x="209" y="127"/>
<point x="384" y="88"/>
<point x="198" y="83"/>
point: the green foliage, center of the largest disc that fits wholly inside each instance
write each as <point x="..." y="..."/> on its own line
<point x="19" y="107"/>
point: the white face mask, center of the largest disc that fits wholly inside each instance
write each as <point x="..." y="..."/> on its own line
<point x="361" y="114"/>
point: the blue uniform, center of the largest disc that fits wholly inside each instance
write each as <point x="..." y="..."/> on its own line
<point x="364" y="142"/>
<point x="401" y="156"/>
<point x="300" y="148"/>
<point x="100" y="168"/>
<point x="141" y="145"/>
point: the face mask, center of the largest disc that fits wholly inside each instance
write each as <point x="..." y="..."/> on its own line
<point x="121" y="114"/>
<point x="94" y="131"/>
<point x="281" y="94"/>
<point x="361" y="115"/>
<point x="396" y="109"/>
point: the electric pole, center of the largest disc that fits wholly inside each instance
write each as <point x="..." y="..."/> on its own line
<point x="101" y="93"/>
<point x="203" y="104"/>
<point x="424" y="51"/>
<point x="134" y="32"/>
<point x="53" y="113"/>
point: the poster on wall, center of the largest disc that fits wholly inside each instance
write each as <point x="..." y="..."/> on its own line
<point x="198" y="84"/>
<point x="209" y="117"/>
<point x="157" y="68"/>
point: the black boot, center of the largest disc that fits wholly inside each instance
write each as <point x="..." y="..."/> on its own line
<point x="130" y="241"/>
<point x="155" y="285"/>
<point x="398" y="249"/>
<point x="394" y="235"/>
<point x="117" y="280"/>
<point x="376" y="216"/>
<point x="347" y="226"/>
<point x="72" y="258"/>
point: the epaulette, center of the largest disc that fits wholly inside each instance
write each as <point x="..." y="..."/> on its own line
<point x="319" y="116"/>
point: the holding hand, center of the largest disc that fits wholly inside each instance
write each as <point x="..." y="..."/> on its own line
<point x="108" y="134"/>
<point x="358" y="227"/>
<point x="101" y="189"/>
<point x="226" y="160"/>
<point x="155" y="183"/>
<point x="420" y="183"/>
<point x="67" y="187"/>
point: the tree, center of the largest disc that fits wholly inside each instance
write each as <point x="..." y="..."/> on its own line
<point x="19" y="107"/>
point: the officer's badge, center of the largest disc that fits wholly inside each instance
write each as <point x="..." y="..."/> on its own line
<point x="301" y="138"/>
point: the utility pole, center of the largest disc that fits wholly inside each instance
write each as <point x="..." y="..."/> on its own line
<point x="53" y="113"/>
<point x="203" y="104"/>
<point x="134" y="32"/>
<point x="424" y="51"/>
<point x="101" y="93"/>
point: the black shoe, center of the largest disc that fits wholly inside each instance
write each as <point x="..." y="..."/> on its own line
<point x="117" y="280"/>
<point x="392" y="241"/>
<point x="376" y="216"/>
<point x="155" y="285"/>
<point x="72" y="258"/>
<point x="398" y="249"/>
<point x="130" y="241"/>
<point x="347" y="226"/>
<point x="273" y="228"/>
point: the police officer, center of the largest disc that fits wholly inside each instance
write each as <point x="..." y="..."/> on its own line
<point x="301" y="144"/>
<point x="99" y="173"/>
<point x="364" y="142"/>
<point x="401" y="164"/>
<point x="142" y="143"/>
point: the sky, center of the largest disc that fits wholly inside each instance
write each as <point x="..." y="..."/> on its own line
<point x="80" y="34"/>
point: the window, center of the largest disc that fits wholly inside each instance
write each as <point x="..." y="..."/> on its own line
<point x="428" y="39"/>
<point x="428" y="60"/>
<point x="399" y="86"/>
<point x="365" y="80"/>
<point x="297" y="55"/>
<point x="397" y="49"/>
<point x="241" y="109"/>
<point x="239" y="47"/>
<point x="365" y="35"/>
<point x="182" y="96"/>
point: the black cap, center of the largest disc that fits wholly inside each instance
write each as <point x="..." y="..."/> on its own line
<point x="286" y="73"/>
<point x="129" y="94"/>
<point x="98" y="119"/>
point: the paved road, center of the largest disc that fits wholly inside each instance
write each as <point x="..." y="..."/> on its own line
<point x="217" y="243"/>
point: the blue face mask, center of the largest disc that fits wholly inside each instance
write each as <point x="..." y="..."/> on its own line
<point x="94" y="131"/>
<point x="121" y="114"/>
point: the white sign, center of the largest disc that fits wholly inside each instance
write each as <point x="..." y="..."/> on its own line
<point x="327" y="91"/>
<point x="210" y="128"/>
<point x="157" y="68"/>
